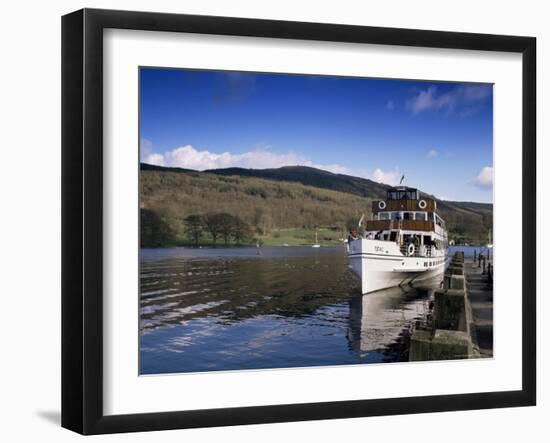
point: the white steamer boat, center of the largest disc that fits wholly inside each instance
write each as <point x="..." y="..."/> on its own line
<point x="406" y="241"/>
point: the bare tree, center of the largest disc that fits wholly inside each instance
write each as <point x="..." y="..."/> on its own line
<point x="194" y="227"/>
<point x="225" y="226"/>
<point x="241" y="230"/>
<point x="212" y="224"/>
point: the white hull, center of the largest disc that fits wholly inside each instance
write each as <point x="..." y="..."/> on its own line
<point x="381" y="265"/>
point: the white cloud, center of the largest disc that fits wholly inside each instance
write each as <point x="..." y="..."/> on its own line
<point x="334" y="168"/>
<point x="154" y="159"/>
<point x="190" y="158"/>
<point x="461" y="96"/>
<point x="387" y="177"/>
<point x="390" y="105"/>
<point x="145" y="149"/>
<point x="485" y="178"/>
<point x="432" y="153"/>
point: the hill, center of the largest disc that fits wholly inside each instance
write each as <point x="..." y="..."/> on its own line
<point x="312" y="177"/>
<point x="274" y="212"/>
<point x="467" y="221"/>
<point x="294" y="199"/>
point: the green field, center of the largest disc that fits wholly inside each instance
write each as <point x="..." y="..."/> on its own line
<point x="303" y="237"/>
<point x="276" y="237"/>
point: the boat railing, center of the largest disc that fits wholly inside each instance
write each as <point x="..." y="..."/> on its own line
<point x="419" y="251"/>
<point x="406" y="225"/>
<point x="404" y="248"/>
<point x="428" y="250"/>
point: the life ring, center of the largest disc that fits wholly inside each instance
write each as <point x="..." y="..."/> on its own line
<point x="381" y="204"/>
<point x="422" y="204"/>
<point x="410" y="250"/>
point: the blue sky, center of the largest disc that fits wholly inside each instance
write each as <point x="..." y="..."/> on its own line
<point x="439" y="135"/>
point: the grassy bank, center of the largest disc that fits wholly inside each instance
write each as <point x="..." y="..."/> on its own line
<point x="277" y="237"/>
<point x="302" y="237"/>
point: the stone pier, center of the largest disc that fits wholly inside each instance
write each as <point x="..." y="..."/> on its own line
<point x="453" y="332"/>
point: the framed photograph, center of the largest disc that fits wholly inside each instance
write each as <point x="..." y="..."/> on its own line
<point x="268" y="221"/>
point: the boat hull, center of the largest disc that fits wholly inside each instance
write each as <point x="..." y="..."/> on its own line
<point x="380" y="265"/>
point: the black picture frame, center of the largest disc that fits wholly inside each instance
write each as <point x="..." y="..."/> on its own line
<point x="82" y="218"/>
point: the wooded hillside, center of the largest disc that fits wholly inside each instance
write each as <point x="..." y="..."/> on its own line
<point x="276" y="206"/>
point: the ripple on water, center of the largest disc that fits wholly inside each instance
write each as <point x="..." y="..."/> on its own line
<point x="203" y="310"/>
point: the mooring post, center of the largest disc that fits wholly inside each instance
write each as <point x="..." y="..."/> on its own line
<point x="479" y="257"/>
<point x="475" y="255"/>
<point x="484" y="265"/>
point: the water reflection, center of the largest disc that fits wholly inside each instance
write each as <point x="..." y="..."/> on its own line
<point x="203" y="310"/>
<point x="381" y="321"/>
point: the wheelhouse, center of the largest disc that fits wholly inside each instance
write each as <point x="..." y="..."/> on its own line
<point x="402" y="193"/>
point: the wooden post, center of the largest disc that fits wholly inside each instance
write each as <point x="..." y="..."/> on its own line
<point x="484" y="265"/>
<point x="475" y="255"/>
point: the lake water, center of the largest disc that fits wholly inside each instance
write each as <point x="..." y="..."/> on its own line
<point x="233" y="309"/>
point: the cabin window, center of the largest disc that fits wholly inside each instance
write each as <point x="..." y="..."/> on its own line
<point x="396" y="215"/>
<point x="421" y="216"/>
<point x="393" y="236"/>
<point x="383" y="216"/>
<point x="403" y="195"/>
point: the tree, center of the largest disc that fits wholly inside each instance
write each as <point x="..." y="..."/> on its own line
<point x="212" y="224"/>
<point x="194" y="228"/>
<point x="154" y="229"/>
<point x="241" y="230"/>
<point x="225" y="223"/>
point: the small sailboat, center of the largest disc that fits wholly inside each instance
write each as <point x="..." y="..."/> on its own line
<point x="316" y="244"/>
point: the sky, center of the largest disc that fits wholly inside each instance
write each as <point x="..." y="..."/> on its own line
<point x="438" y="135"/>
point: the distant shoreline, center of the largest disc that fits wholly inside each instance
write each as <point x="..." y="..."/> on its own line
<point x="282" y="246"/>
<point x="241" y="246"/>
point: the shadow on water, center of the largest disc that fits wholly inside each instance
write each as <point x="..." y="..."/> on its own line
<point x="205" y="310"/>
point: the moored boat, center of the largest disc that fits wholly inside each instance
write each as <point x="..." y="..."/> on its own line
<point x="406" y="241"/>
<point x="316" y="244"/>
